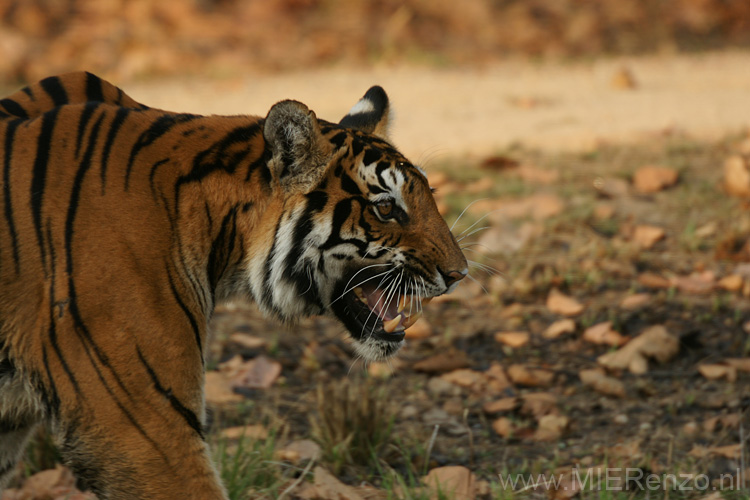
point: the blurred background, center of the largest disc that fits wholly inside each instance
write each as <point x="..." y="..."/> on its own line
<point x="125" y="39"/>
<point x="594" y="159"/>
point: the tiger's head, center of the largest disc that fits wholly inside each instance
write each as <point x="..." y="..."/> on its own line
<point x="359" y="235"/>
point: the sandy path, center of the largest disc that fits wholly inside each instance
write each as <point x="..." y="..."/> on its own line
<point x="451" y="112"/>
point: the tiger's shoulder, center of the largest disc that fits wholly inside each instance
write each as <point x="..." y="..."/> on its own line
<point x="71" y="88"/>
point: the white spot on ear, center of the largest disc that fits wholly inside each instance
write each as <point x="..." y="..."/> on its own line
<point x="362" y="106"/>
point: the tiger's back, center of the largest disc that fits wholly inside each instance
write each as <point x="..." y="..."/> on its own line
<point x="121" y="227"/>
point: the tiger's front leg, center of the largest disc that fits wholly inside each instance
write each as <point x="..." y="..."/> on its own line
<point x="134" y="429"/>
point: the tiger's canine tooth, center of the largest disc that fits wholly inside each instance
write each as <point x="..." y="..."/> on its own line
<point x="360" y="294"/>
<point x="391" y="324"/>
<point x="410" y="320"/>
<point x="402" y="303"/>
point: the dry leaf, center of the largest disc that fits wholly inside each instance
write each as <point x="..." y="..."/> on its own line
<point x="452" y="481"/>
<point x="245" y="432"/>
<point x="655" y="342"/>
<point x="731" y="283"/>
<point x="559" y="327"/>
<point x="503" y="426"/>
<point x="602" y="333"/>
<point x="501" y="405"/>
<point x="741" y="364"/>
<point x="443" y="362"/>
<point x="635" y="301"/>
<point x="651" y="179"/>
<point x="551" y="427"/>
<point x="737" y="176"/>
<point x="218" y="391"/>
<point x="297" y="451"/>
<point x="651" y="280"/>
<point x="531" y="377"/>
<point x="538" y="404"/>
<point x="601" y="383"/>
<point x="646" y="236"/>
<point x="729" y="451"/>
<point x="497" y="380"/>
<point x="559" y="303"/>
<point x="257" y="373"/>
<point x="696" y="283"/>
<point x="247" y="341"/>
<point x="715" y="372"/>
<point x="512" y="339"/>
<point x="326" y="486"/>
<point x="623" y="79"/>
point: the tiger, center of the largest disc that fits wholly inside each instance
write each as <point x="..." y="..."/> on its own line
<point x="123" y="226"/>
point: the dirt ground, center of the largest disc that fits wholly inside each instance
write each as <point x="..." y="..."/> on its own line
<point x="552" y="152"/>
<point x="452" y="113"/>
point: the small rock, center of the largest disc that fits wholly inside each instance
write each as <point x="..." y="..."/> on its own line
<point x="651" y="179"/>
<point x="690" y="428"/>
<point x="621" y="419"/>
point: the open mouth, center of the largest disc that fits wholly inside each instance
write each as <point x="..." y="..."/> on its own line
<point x="381" y="313"/>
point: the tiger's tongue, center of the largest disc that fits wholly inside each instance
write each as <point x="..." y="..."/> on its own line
<point x="376" y="301"/>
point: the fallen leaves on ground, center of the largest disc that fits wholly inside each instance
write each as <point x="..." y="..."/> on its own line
<point x="600" y="382"/>
<point x="452" y="481"/>
<point x="651" y="179"/>
<point x="256" y="373"/>
<point x="513" y="339"/>
<point x="325" y="486"/>
<point x="737" y="176"/>
<point x="646" y="236"/>
<point x="602" y="333"/>
<point x="530" y="377"/>
<point x="655" y="342"/>
<point x="559" y="303"/>
<point x="443" y="362"/>
<point x="716" y="371"/>
<point x="558" y="328"/>
<point x="729" y="451"/>
<point x="52" y="484"/>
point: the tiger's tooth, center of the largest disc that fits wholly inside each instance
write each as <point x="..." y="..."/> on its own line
<point x="410" y="320"/>
<point x="391" y="324"/>
<point x="402" y="303"/>
<point x="360" y="294"/>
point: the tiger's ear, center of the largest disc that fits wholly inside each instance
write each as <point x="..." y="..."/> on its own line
<point x="371" y="114"/>
<point x="299" y="150"/>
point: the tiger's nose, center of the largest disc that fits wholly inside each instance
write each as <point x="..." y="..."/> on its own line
<point x="452" y="277"/>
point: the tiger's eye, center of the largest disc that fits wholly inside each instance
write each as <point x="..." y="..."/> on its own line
<point x="385" y="208"/>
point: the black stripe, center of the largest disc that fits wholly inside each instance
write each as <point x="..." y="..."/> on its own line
<point x="94" y="88"/>
<point x="348" y="185"/>
<point x="9" y="136"/>
<point x="294" y="269"/>
<point x="371" y="156"/>
<point x="158" y="128"/>
<point x="14" y="108"/>
<point x="54" y="88"/>
<point x="75" y="193"/>
<point x="52" y="329"/>
<point x="152" y="174"/>
<point x="39" y="178"/>
<point x="190" y="418"/>
<point x="341" y="213"/>
<point x="86" y="114"/>
<point x="114" y="128"/>
<point x="222" y="248"/>
<point x="50" y="396"/>
<point x="188" y="314"/>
